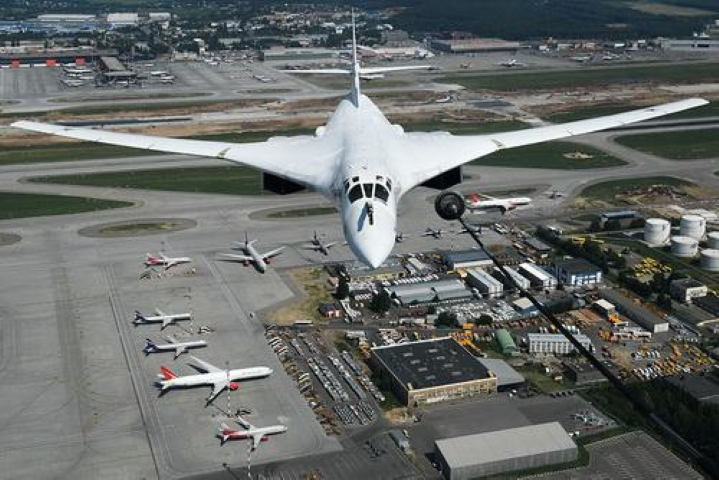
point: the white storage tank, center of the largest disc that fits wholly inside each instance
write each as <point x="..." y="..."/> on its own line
<point x="657" y="231"/>
<point x="709" y="260"/>
<point x="713" y="240"/>
<point x="692" y="226"/>
<point x="684" y="246"/>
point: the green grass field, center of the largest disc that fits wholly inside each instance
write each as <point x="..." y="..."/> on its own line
<point x="608" y="190"/>
<point x="550" y="155"/>
<point x="303" y="212"/>
<point x="224" y="180"/>
<point x="23" y="205"/>
<point x="587" y="77"/>
<point x="477" y="128"/>
<point x="682" y="145"/>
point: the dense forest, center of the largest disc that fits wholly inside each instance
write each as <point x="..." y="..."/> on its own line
<point x="511" y="19"/>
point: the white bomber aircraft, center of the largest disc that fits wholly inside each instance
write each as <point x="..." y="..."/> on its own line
<point x="217" y="377"/>
<point x="257" y="434"/>
<point x="360" y="160"/>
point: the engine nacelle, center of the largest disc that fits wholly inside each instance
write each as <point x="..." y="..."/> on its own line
<point x="445" y="180"/>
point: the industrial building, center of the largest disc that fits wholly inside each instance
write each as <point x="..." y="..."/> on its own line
<point x="426" y="292"/>
<point x="113" y="71"/>
<point x="518" y="279"/>
<point x="507" y="377"/>
<point x="584" y="373"/>
<point x="605" y="308"/>
<point x="635" y="312"/>
<point x="539" y="246"/>
<point x="687" y="289"/>
<point x="492" y="453"/>
<point x="466" y="259"/>
<point x="537" y="276"/>
<point x="577" y="272"/>
<point x="298" y="54"/>
<point x="390" y="270"/>
<point x="701" y="389"/>
<point x="52" y="57"/>
<point x="525" y="307"/>
<point x="484" y="283"/>
<point x="431" y="371"/>
<point x="555" y="343"/>
<point x="474" y="45"/>
<point x="505" y="341"/>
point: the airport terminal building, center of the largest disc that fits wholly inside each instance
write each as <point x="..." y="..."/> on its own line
<point x="434" y="370"/>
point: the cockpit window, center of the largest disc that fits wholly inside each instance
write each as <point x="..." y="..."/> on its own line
<point x="367" y="189"/>
<point x="355" y="193"/>
<point x="381" y="193"/>
<point x="389" y="184"/>
<point x="355" y="179"/>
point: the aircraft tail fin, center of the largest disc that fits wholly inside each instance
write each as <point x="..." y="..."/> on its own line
<point x="167" y="373"/>
<point x="139" y="317"/>
<point x="149" y="346"/>
<point x="225" y="432"/>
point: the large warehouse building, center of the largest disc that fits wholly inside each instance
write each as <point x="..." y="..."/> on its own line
<point x="434" y="370"/>
<point x="492" y="453"/>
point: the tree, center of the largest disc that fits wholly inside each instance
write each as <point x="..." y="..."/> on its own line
<point x="595" y="226"/>
<point x="484" y="319"/>
<point x="612" y="224"/>
<point x="381" y="303"/>
<point x="343" y="289"/>
<point x="447" y="319"/>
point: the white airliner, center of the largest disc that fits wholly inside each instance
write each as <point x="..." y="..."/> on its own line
<point x="360" y="160"/>
<point x="217" y="377"/>
<point x="160" y="317"/>
<point x="318" y="245"/>
<point x="257" y="434"/>
<point x="260" y="260"/>
<point x="162" y="259"/>
<point x="478" y="203"/>
<point x="172" y="345"/>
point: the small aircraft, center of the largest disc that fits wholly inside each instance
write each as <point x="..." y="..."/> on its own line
<point x="257" y="434"/>
<point x="217" y="377"/>
<point x="513" y="63"/>
<point x="367" y="77"/>
<point x="431" y="232"/>
<point x="162" y="259"/>
<point x="319" y="246"/>
<point x="472" y="228"/>
<point x="478" y="203"/>
<point x="260" y="260"/>
<point x="400" y="237"/>
<point x="178" y="347"/>
<point x="553" y="194"/>
<point x="582" y="58"/>
<point x="160" y="317"/>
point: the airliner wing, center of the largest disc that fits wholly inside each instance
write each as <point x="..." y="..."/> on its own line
<point x="217" y="388"/>
<point x="437" y="152"/>
<point x="273" y="253"/>
<point x="256" y="440"/>
<point x="303" y="159"/>
<point x="206" y="366"/>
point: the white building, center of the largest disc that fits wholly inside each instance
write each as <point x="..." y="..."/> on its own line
<point x="556" y="343"/>
<point x="577" y="272"/>
<point x="537" y="276"/>
<point x="484" y="282"/>
<point x="123" y="19"/>
<point x="686" y="289"/>
<point x="520" y="280"/>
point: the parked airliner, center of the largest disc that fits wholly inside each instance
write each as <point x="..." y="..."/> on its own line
<point x="251" y="255"/>
<point x="257" y="434"/>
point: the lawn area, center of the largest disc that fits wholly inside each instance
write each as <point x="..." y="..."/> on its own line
<point x="224" y="180"/>
<point x="682" y="145"/>
<point x="587" y="77"/>
<point x="23" y="205"/>
<point x="550" y="155"/>
<point x="607" y="190"/>
<point x="303" y="212"/>
<point x="539" y="379"/>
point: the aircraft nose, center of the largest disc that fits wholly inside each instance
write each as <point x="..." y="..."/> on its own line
<point x="374" y="249"/>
